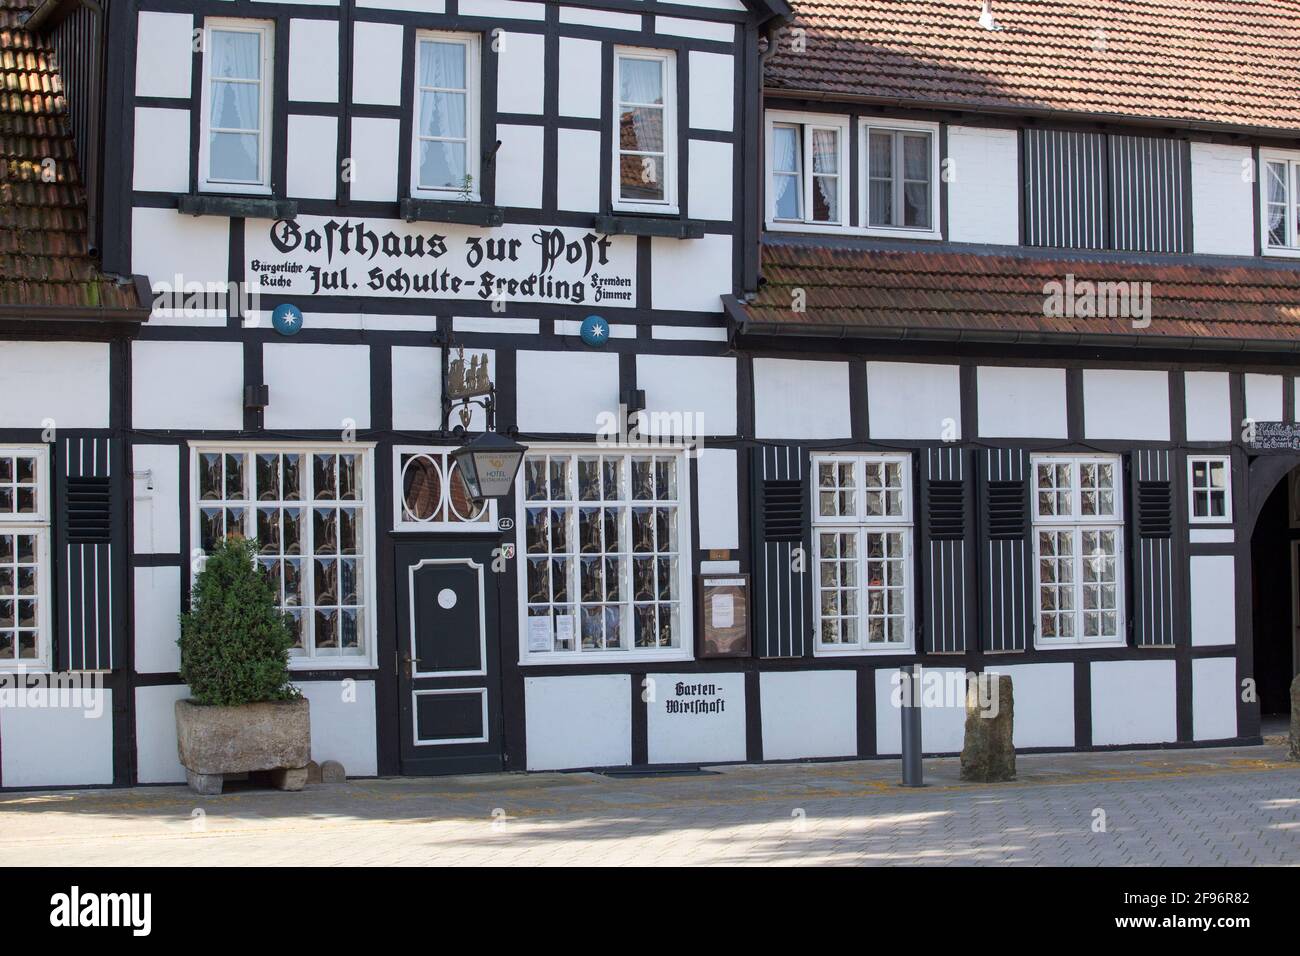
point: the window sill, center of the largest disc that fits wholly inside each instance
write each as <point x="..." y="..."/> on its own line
<point x="662" y="227"/>
<point x="1281" y="252"/>
<point x="236" y="207"/>
<point x="1078" y="645"/>
<point x="597" y="660"/>
<point x="836" y="229"/>
<point x="464" y="213"/>
<point x="894" y="650"/>
<point x="331" y="664"/>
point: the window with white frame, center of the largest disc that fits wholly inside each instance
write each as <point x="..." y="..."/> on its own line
<point x="445" y="144"/>
<point x="1078" y="549"/>
<point x="24" y="558"/>
<point x="862" y="533"/>
<point x="235" y="144"/>
<point x="605" y="544"/>
<point x="308" y="510"/>
<point x="645" y="141"/>
<point x="431" y="494"/>
<point x="807" y="163"/>
<point x="1280" y="202"/>
<point x="1209" y="483"/>
<point x="900" y="172"/>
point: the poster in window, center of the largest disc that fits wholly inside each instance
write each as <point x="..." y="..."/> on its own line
<point x="724" y="615"/>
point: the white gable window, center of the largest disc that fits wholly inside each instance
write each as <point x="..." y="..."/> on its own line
<point x="24" y="558"/>
<point x="1279" y="202"/>
<point x="445" y="144"/>
<point x="1209" y="484"/>
<point x="234" y="147"/>
<point x="807" y="163"/>
<point x="645" y="138"/>
<point x="900" y="172"/>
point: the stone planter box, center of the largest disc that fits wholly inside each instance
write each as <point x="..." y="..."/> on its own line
<point x="215" y="741"/>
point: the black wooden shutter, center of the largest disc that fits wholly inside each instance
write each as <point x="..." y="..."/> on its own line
<point x="1006" y="551"/>
<point x="1065" y="189"/>
<point x="1148" y="191"/>
<point x="1151" y="549"/>
<point x="946" y="542"/>
<point x="87" y="609"/>
<point x="783" y="559"/>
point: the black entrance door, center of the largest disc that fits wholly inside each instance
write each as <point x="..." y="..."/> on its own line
<point x="448" y="656"/>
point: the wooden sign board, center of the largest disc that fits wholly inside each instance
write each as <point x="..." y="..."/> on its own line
<point x="724" y="615"/>
<point x="1275" y="436"/>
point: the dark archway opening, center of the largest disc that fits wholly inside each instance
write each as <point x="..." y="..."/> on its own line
<point x="1275" y="574"/>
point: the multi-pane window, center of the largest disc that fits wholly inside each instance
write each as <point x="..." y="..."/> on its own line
<point x="644" y="140"/>
<point x="236" y="105"/>
<point x="806" y="172"/>
<point x="432" y="496"/>
<point x="862" y="533"/>
<point x="24" y="558"/>
<point x="445" y="144"/>
<point x="1078" y="544"/>
<point x="603" y="539"/>
<point x="306" y="509"/>
<point x="1209" y="485"/>
<point x="900" y="178"/>
<point x="1281" y="202"/>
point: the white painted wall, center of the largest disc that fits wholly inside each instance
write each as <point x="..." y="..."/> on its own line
<point x="696" y="738"/>
<point x="983" y="196"/>
<point x="164" y="244"/>
<point x="1222" y="200"/>
<point x="808" y="714"/>
<point x="1043" y="699"/>
<point x="712" y="97"/>
<point x="187" y="385"/>
<point x="799" y="399"/>
<point x="156" y="512"/>
<point x="314" y="61"/>
<point x="157" y="620"/>
<point x="377" y="63"/>
<point x="690" y="274"/>
<point x="1133" y="702"/>
<point x="605" y="19"/>
<point x="521" y="74"/>
<point x="577" y="186"/>
<point x="417" y="388"/>
<point x="66" y="382"/>
<point x="1214" y="599"/>
<point x="1021" y="402"/>
<point x="565" y="391"/>
<point x="710" y="180"/>
<point x="410" y="6"/>
<point x="1264" y="397"/>
<point x="519" y="166"/>
<point x="579" y="63"/>
<point x="313" y="171"/>
<point x="1214" y="698"/>
<point x="695" y="29"/>
<point x="162" y="150"/>
<point x="719" y="507"/>
<point x="943" y="727"/>
<point x="316" y="386"/>
<point x="374" y="159"/>
<point x="505" y="9"/>
<point x="343" y="724"/>
<point x="1124" y="403"/>
<point x="155" y="733"/>
<point x="583" y="721"/>
<point x="690" y="389"/>
<point x="1209" y="409"/>
<point x="61" y="745"/>
<point x="164" y="54"/>
<point x="913" y="400"/>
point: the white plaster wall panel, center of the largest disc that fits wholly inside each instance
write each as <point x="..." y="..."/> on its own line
<point x="1021" y="402"/>
<point x="690" y="390"/>
<point x="410" y="6"/>
<point x="156" y="512"/>
<point x="710" y="4"/>
<point x="565" y="392"/>
<point x="712" y="95"/>
<point x="579" y="78"/>
<point x="913" y="400"/>
<point x="165" y="244"/>
<point x="691" y="275"/>
<point x="1214" y="599"/>
<point x="687" y="333"/>
<point x="377" y="63"/>
<point x="719" y="505"/>
<point x="1264" y="397"/>
<point x="162" y="150"/>
<point x="583" y="721"/>
<point x="572" y="327"/>
<point x="519" y="166"/>
<point x="507" y="9"/>
<point x="1123" y="403"/>
<point x="314" y="61"/>
<point x="605" y="19"/>
<point x="313" y="171"/>
<point x="808" y="714"/>
<point x="187" y="385"/>
<point x="521" y="74"/>
<point x="1223" y="200"/>
<point x="1043" y="699"/>
<point x="506" y="326"/>
<point x="577" y="187"/>
<point x="317" y="386"/>
<point x="1133" y="702"/>
<point x="712" y="734"/>
<point x="1209" y="409"/>
<point x="798" y="399"/>
<point x="164" y="54"/>
<point x="943" y="723"/>
<point x="61" y="745"/>
<point x="983" y="196"/>
<point x="1214" y="698"/>
<point x="417" y="388"/>
<point x="66" y="382"/>
<point x="1211" y="536"/>
<point x="710" y="180"/>
<point x="374" y="158"/>
<point x="156" y="760"/>
<point x="157" y="620"/>
<point x="696" y="29"/>
<point x="398" y="323"/>
<point x="343" y="724"/>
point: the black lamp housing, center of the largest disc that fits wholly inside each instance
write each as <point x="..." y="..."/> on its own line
<point x="489" y="464"/>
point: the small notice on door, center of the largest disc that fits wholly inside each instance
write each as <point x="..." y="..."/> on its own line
<point x="723" y="611"/>
<point x="539" y="633"/>
<point x="564" y="631"/>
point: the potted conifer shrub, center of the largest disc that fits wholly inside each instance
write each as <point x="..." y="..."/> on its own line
<point x="244" y="715"/>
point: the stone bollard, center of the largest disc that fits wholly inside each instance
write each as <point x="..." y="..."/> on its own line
<point x="1294" y="752"/>
<point x="988" y="755"/>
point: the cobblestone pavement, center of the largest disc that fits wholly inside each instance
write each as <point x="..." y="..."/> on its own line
<point x="1189" y="807"/>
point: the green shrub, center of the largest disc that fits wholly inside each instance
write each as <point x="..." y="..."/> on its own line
<point x="234" y="640"/>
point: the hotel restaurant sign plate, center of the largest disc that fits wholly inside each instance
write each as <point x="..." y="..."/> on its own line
<point x="360" y="256"/>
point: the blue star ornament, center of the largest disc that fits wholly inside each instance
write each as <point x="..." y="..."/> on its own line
<point x="594" y="331"/>
<point x="287" y="319"/>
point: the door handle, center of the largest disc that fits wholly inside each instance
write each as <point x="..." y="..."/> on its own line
<point x="409" y="663"/>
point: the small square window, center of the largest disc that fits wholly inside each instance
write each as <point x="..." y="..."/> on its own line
<point x="1209" y="489"/>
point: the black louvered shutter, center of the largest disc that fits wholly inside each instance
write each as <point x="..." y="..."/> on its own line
<point x="88" y="610"/>
<point x="1151" y="547"/>
<point x="1006" y="550"/>
<point x="946" y="549"/>
<point x="783" y="559"/>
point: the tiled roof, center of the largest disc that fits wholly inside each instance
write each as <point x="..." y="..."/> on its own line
<point x="876" y="293"/>
<point x="43" y="262"/>
<point x="1233" y="62"/>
